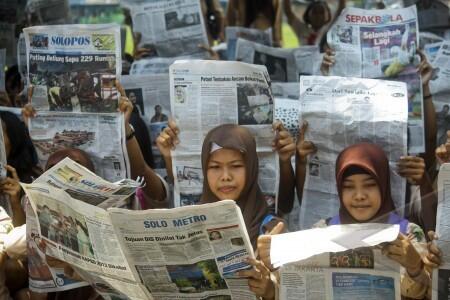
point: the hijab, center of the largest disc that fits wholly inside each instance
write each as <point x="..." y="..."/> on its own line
<point x="369" y="159"/>
<point x="251" y="201"/>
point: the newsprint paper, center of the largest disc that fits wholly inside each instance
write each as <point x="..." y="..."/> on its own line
<point x="183" y="253"/>
<point x="382" y="44"/>
<point x="74" y="67"/>
<point x="102" y="136"/>
<point x="441" y="276"/>
<point x="171" y="27"/>
<point x="342" y="111"/>
<point x="205" y="94"/>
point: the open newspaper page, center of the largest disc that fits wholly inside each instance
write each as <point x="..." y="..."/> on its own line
<point x="171" y="27"/>
<point x="341" y="111"/>
<point x="205" y="94"/>
<point x="187" y="253"/>
<point x="382" y="44"/>
<point x="232" y="34"/>
<point x="83" y="185"/>
<point x="158" y="65"/>
<point x="339" y="262"/>
<point x="281" y="63"/>
<point x="22" y="58"/>
<point x="440" y="82"/>
<point x="441" y="103"/>
<point x="431" y="50"/>
<point x="287" y="105"/>
<point x="100" y="135"/>
<point x="441" y="276"/>
<point x="74" y="67"/>
<point x="151" y="95"/>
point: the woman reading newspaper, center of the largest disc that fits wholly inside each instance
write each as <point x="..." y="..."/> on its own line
<point x="363" y="184"/>
<point x="230" y="169"/>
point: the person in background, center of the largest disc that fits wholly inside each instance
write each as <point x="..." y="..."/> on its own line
<point x="258" y="14"/>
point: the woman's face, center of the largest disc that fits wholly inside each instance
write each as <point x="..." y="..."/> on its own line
<point x="361" y="196"/>
<point x="226" y="174"/>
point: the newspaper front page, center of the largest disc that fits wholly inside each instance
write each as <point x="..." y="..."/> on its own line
<point x="342" y="111"/>
<point x="100" y="135"/>
<point x="171" y="27"/>
<point x="74" y="67"/>
<point x="441" y="276"/>
<point x="151" y="95"/>
<point x="232" y="34"/>
<point x="382" y="44"/>
<point x="186" y="253"/>
<point x="281" y="63"/>
<point x="205" y="94"/>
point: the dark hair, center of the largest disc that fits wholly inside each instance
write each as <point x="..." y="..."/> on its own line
<point x="13" y="82"/>
<point x="22" y="156"/>
<point x="314" y="6"/>
<point x="143" y="137"/>
<point x="254" y="7"/>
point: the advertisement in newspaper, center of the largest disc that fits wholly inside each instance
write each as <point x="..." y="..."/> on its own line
<point x="440" y="82"/>
<point x="205" y="94"/>
<point x="232" y="34"/>
<point x="385" y="41"/>
<point x="100" y="135"/>
<point x="171" y="27"/>
<point x="74" y="67"/>
<point x="186" y="253"/>
<point x="341" y="111"/>
<point x="151" y="95"/>
<point x="281" y="64"/>
<point x="441" y="276"/>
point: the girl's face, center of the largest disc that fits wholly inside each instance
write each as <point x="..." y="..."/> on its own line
<point x="226" y="174"/>
<point x="361" y="196"/>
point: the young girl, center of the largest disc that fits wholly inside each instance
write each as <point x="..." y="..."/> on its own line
<point x="230" y="169"/>
<point x="363" y="184"/>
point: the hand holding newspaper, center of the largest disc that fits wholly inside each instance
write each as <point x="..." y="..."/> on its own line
<point x="153" y="254"/>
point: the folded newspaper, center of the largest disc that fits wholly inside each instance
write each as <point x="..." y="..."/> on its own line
<point x="441" y="275"/>
<point x="205" y="94"/>
<point x="171" y="27"/>
<point x="382" y="44"/>
<point x="74" y="67"/>
<point x="182" y="253"/>
<point x="342" y="111"/>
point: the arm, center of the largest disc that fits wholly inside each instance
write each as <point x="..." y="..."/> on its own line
<point x="166" y="141"/>
<point x="277" y="30"/>
<point x="285" y="146"/>
<point x="11" y="187"/>
<point x="341" y="5"/>
<point x="231" y="13"/>
<point x="304" y="148"/>
<point x="154" y="189"/>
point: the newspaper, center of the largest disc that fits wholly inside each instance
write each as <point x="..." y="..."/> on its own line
<point x="341" y="111"/>
<point x="22" y="58"/>
<point x="440" y="82"/>
<point x="441" y="103"/>
<point x="2" y="69"/>
<point x="287" y="105"/>
<point x="102" y="136"/>
<point x="441" y="276"/>
<point x="281" y="63"/>
<point x="250" y="34"/>
<point x="151" y="95"/>
<point x="74" y="67"/>
<point x="362" y="273"/>
<point x="205" y="94"/>
<point x="171" y="27"/>
<point x="49" y="12"/>
<point x="431" y="50"/>
<point x="186" y="253"/>
<point x="385" y="41"/>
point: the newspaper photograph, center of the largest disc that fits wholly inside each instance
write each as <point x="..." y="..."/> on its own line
<point x="232" y="34"/>
<point x="385" y="41"/>
<point x="171" y="27"/>
<point x="441" y="276"/>
<point x="74" y="67"/>
<point x="342" y="111"/>
<point x="186" y="253"/>
<point x="100" y="135"/>
<point x="440" y="82"/>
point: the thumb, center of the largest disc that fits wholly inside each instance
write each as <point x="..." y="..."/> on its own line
<point x="279" y="228"/>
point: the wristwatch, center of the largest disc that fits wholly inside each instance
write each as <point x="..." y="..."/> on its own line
<point x="132" y="133"/>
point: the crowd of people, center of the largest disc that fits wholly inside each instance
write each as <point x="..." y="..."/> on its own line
<point x="229" y="163"/>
